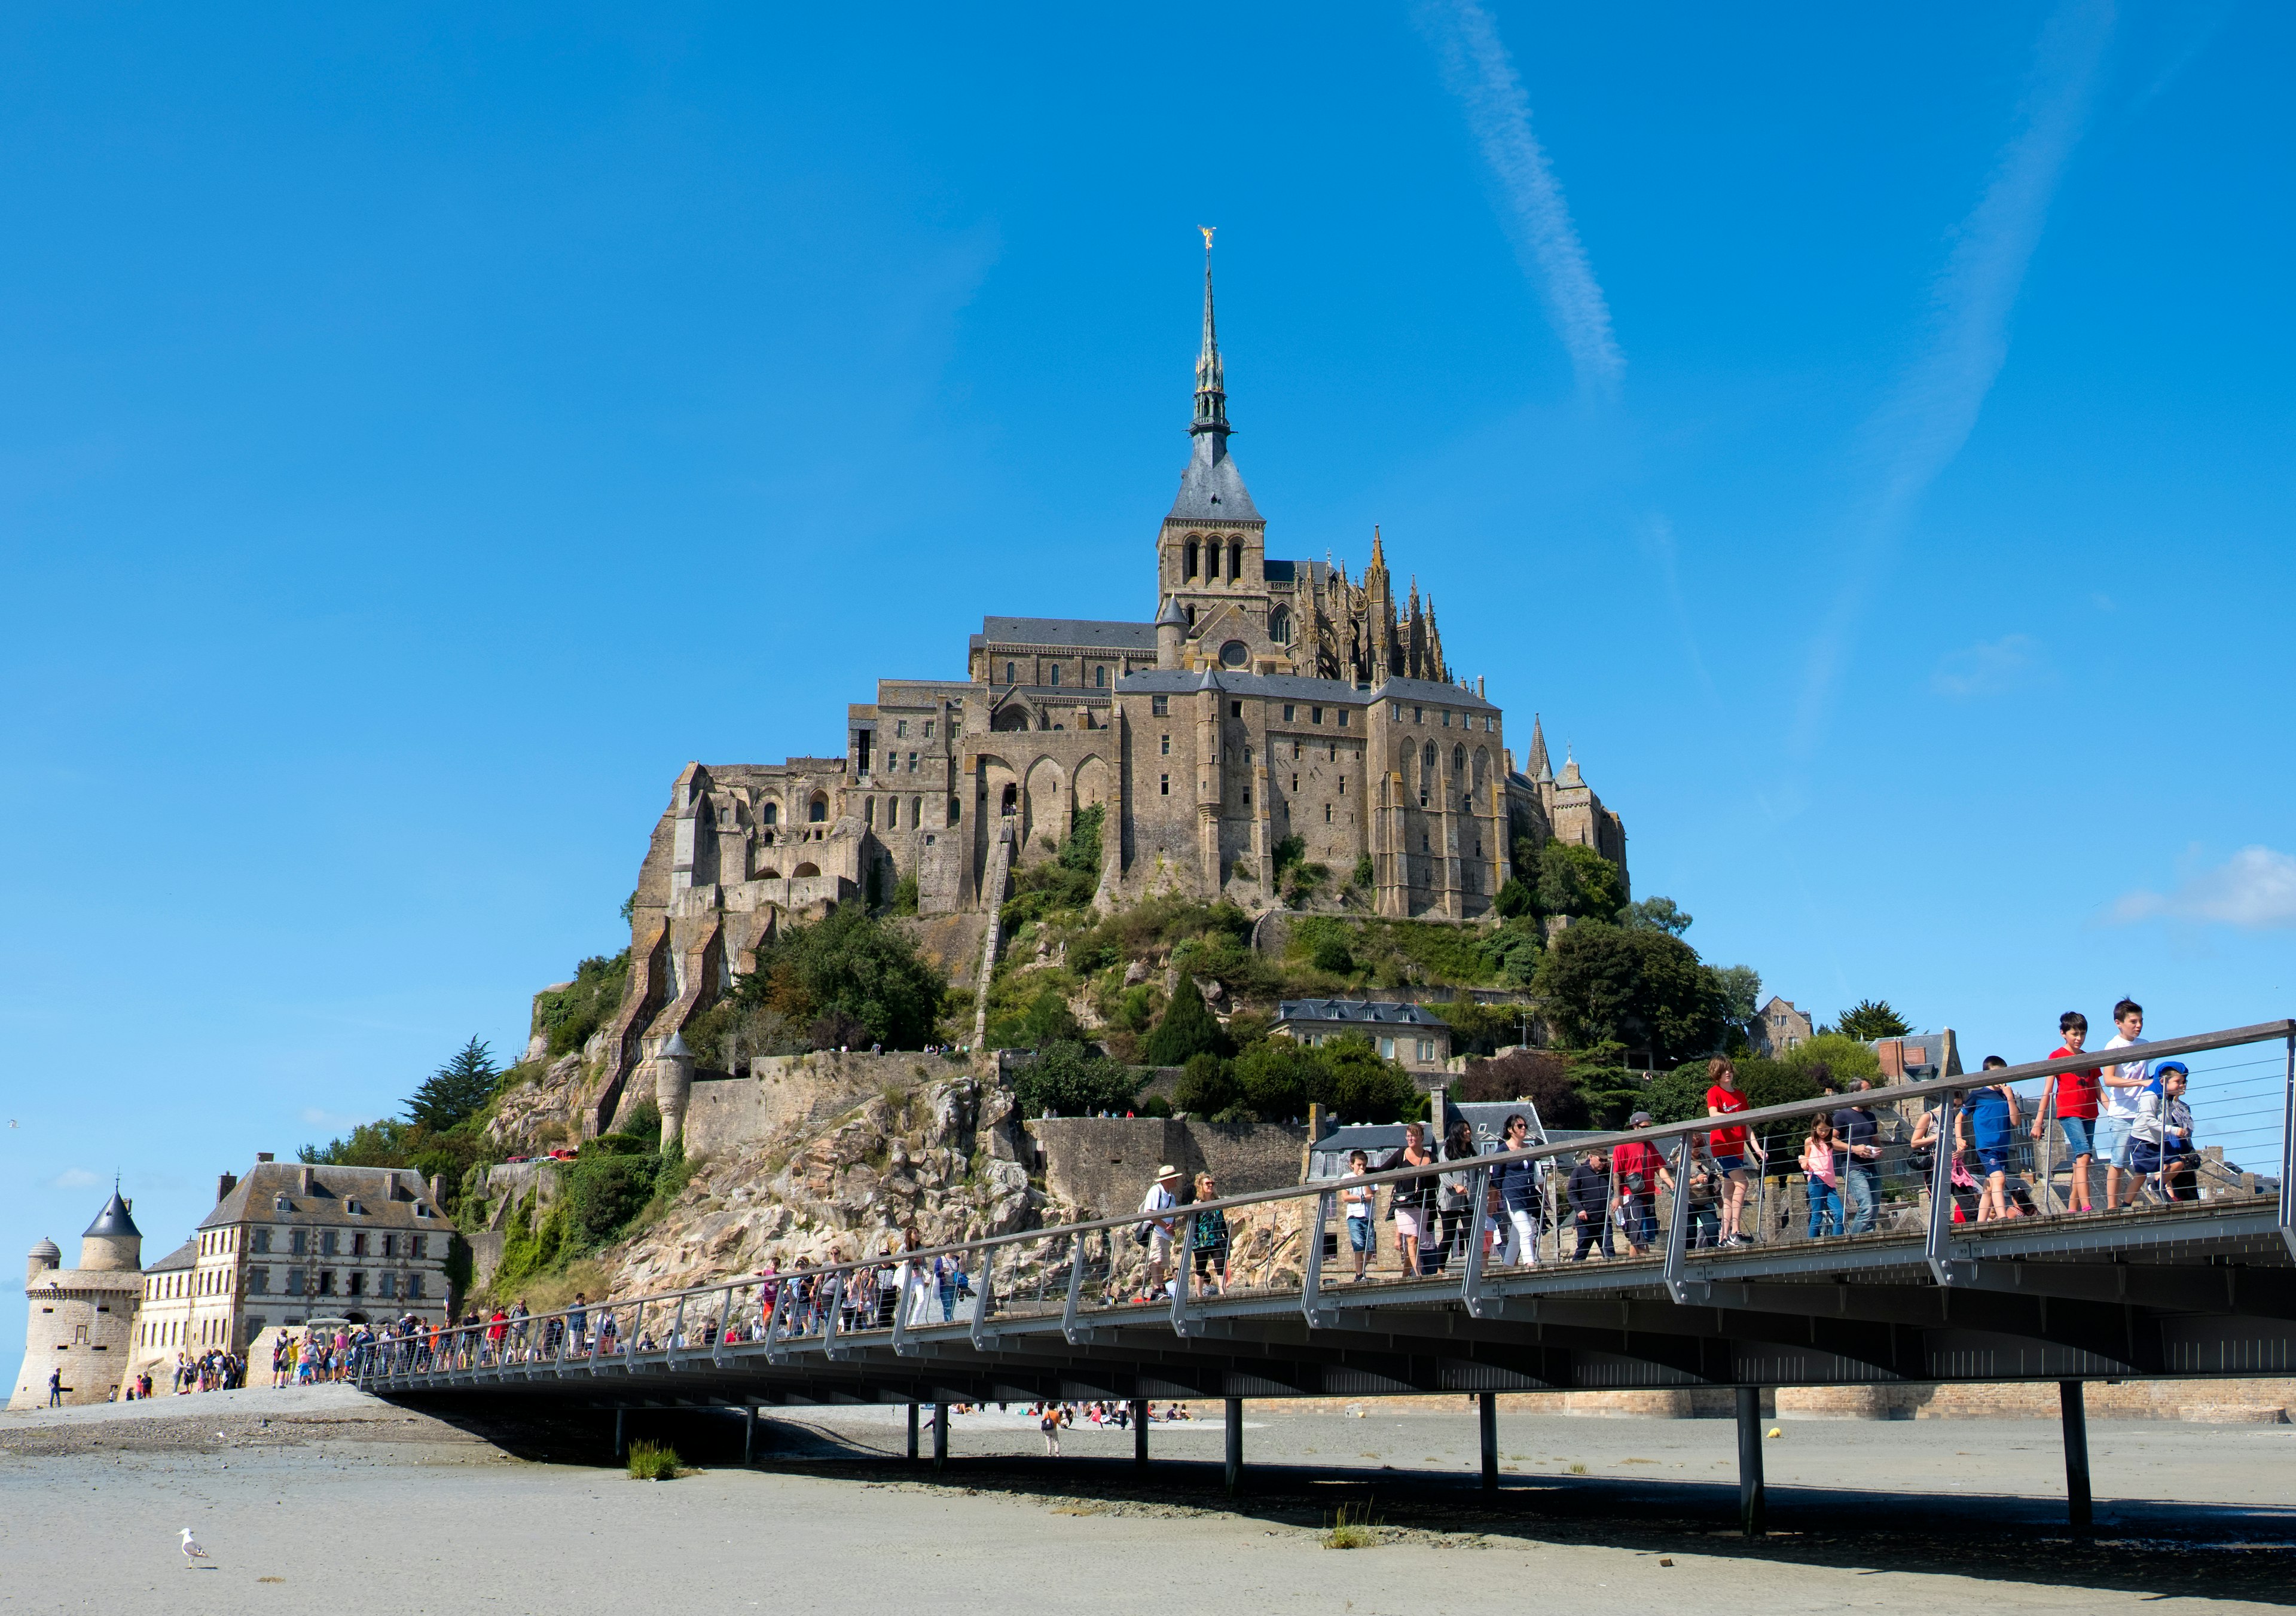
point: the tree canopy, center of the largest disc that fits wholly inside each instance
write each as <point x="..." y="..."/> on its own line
<point x="1068" y="1079"/>
<point x="1655" y="914"/>
<point x="848" y="978"/>
<point x="458" y="1089"/>
<point x="1642" y="989"/>
<point x="1578" y="881"/>
<point x="1871" y="1019"/>
<point x="1186" y="1027"/>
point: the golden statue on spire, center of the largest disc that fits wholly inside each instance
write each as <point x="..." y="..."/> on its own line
<point x="1208" y="230"/>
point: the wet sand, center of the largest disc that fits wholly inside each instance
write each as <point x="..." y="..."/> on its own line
<point x="342" y="1500"/>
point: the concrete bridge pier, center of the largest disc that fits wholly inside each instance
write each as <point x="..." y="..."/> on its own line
<point x="749" y="1431"/>
<point x="913" y="1433"/>
<point x="1487" y="1415"/>
<point x="1235" y="1433"/>
<point x="2073" y="1408"/>
<point x="940" y="1436"/>
<point x="621" y="1449"/>
<point x="1751" y="1507"/>
<point x="1140" y="1433"/>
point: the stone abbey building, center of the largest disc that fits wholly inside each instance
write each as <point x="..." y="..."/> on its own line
<point x="1263" y="699"/>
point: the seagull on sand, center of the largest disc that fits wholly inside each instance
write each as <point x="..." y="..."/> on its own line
<point x="193" y="1553"/>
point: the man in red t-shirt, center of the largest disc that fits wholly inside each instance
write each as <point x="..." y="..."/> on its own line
<point x="1638" y="1170"/>
<point x="1730" y="1145"/>
<point x="2075" y="1093"/>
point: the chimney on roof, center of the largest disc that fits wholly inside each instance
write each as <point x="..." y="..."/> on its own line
<point x="306" y="1182"/>
<point x="438" y="1191"/>
<point x="263" y="1155"/>
<point x="225" y="1184"/>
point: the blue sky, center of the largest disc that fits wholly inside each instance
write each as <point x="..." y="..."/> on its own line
<point x="1864" y="437"/>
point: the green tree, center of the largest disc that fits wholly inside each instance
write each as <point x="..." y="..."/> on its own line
<point x="458" y="1089"/>
<point x="848" y="971"/>
<point x="1187" y="1028"/>
<point x="1364" y="874"/>
<point x="1279" y="1078"/>
<point x="1067" y="1079"/>
<point x="1642" y="989"/>
<point x="1361" y="1087"/>
<point x="1655" y="914"/>
<point x="1513" y="899"/>
<point x="1738" y="989"/>
<point x="1578" y="881"/>
<point x="1540" y="1076"/>
<point x="1206" y="1086"/>
<point x="1871" y="1019"/>
<point x="1514" y="951"/>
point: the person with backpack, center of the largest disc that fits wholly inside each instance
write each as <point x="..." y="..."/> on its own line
<point x="1589" y="1193"/>
<point x="1515" y="1186"/>
<point x="1156" y="1232"/>
<point x="1986" y="1127"/>
<point x="1207" y="1240"/>
<point x="1413" y="1199"/>
<point x="1640" y="1171"/>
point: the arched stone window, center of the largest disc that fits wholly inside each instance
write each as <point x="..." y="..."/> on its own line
<point x="818" y="810"/>
<point x="1100" y="678"/>
<point x="804" y="870"/>
<point x="1427" y="757"/>
<point x="772" y="813"/>
<point x="1234" y="561"/>
<point x="1054" y="678"/>
<point x="1011" y="718"/>
<point x="916" y="813"/>
<point x="1211" y="559"/>
<point x="769" y="873"/>
<point x="1458" y="759"/>
<point x="1192" y="558"/>
<point x="1012" y="673"/>
<point x="1279" y="626"/>
<point x="869" y="812"/>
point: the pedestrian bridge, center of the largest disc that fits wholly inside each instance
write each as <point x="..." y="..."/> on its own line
<point x="2203" y="1286"/>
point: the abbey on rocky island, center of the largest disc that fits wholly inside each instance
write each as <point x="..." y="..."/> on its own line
<point x="1266" y="699"/>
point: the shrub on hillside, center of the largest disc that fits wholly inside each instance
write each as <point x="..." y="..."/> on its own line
<point x="1069" y="1079"/>
<point x="1186" y="1027"/>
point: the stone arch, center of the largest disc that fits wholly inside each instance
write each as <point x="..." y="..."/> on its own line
<point x="769" y="873"/>
<point x="1009" y="718"/>
<point x="1044" y="803"/>
<point x="816" y="808"/>
<point x="804" y="870"/>
<point x="1482" y="766"/>
<point x="1092" y="779"/>
<point x="1458" y="758"/>
<point x="1279" y="626"/>
<point x="770" y="812"/>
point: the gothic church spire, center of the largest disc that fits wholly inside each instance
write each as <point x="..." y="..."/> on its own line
<point x="1212" y="391"/>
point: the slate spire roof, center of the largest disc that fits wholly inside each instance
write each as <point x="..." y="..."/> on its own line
<point x="114" y="1220"/>
<point x="1211" y="489"/>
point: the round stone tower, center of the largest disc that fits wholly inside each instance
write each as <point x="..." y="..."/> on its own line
<point x="672" y="1088"/>
<point x="1171" y="630"/>
<point x="42" y="1258"/>
<point x="112" y="1244"/>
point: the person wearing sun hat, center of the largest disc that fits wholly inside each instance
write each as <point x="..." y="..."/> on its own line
<point x="1156" y="1232"/>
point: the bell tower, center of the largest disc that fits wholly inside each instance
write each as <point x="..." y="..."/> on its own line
<point x="1211" y="551"/>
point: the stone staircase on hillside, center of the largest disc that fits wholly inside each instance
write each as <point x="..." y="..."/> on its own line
<point x="992" y="896"/>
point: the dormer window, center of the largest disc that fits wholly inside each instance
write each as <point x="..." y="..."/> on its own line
<point x="283" y="1205"/>
<point x="422" y="1210"/>
<point x="354" y="1208"/>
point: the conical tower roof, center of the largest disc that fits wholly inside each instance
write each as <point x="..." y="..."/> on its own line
<point x="1211" y="489"/>
<point x="113" y="1220"/>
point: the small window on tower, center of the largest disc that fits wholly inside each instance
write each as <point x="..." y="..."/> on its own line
<point x="1163" y="785"/>
<point x="1164" y="746"/>
<point x="1343" y="717"/>
<point x="1288" y="711"/>
<point x="1012" y="673"/>
<point x="1160" y="707"/>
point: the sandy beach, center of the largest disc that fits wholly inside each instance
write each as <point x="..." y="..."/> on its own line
<point x="326" y="1495"/>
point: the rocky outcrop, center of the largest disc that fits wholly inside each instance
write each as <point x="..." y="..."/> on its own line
<point x="940" y="1157"/>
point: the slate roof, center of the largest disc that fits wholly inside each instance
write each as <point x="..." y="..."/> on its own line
<point x="184" y="1256"/>
<point x="1429" y="693"/>
<point x="1211" y="489"/>
<point x="114" y="1220"/>
<point x="1078" y="633"/>
<point x="1380" y="1012"/>
<point x="1292" y="686"/>
<point x="254" y="1200"/>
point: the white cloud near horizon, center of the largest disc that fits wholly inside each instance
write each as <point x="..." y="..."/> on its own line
<point x="1479" y="73"/>
<point x="1930" y="413"/>
<point x="2254" y="890"/>
<point x="1989" y="668"/>
<point x="75" y="1178"/>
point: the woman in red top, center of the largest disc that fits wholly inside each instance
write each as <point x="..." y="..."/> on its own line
<point x="1730" y="1145"/>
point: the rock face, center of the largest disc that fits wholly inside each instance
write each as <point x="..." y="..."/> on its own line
<point x="941" y="1158"/>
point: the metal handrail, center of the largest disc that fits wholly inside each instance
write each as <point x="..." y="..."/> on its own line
<point x="450" y="1341"/>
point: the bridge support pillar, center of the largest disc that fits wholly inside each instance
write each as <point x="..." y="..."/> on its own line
<point x="1749" y="1461"/>
<point x="1233" y="1419"/>
<point x="1140" y="1433"/>
<point x="940" y="1436"/>
<point x="749" y="1431"/>
<point x="913" y="1433"/>
<point x="2074" y="1409"/>
<point x="620" y="1450"/>
<point x="1487" y="1415"/>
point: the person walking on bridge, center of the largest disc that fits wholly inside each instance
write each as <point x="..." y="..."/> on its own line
<point x="1412" y="1200"/>
<point x="1730" y="1145"/>
<point x="2073" y="1097"/>
<point x="1156" y="1232"/>
<point x="1859" y="1131"/>
<point x="2122" y="1087"/>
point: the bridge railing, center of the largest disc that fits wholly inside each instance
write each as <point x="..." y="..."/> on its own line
<point x="1711" y="1190"/>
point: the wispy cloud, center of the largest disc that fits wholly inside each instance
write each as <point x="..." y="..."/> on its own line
<point x="2254" y="890"/>
<point x="1929" y="414"/>
<point x="1987" y="668"/>
<point x="75" y="1178"/>
<point x="1478" y="71"/>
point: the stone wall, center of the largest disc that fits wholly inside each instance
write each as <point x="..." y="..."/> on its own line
<point x="806" y="1091"/>
<point x="1101" y="1166"/>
